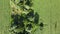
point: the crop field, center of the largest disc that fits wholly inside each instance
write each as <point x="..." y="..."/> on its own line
<point x="48" y="10"/>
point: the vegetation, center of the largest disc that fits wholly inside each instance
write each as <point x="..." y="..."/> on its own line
<point x="18" y="20"/>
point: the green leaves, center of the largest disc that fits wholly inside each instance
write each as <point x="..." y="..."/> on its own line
<point x="26" y="21"/>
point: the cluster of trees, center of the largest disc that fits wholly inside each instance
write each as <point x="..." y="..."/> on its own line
<point x="18" y="20"/>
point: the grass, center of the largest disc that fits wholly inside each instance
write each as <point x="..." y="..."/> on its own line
<point x="49" y="13"/>
<point x="47" y="9"/>
<point x="4" y="16"/>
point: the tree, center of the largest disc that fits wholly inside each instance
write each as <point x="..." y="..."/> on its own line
<point x="28" y="2"/>
<point x="30" y="14"/>
<point x="29" y="26"/>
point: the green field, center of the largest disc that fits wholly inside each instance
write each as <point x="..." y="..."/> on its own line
<point x="47" y="9"/>
<point x="4" y="16"/>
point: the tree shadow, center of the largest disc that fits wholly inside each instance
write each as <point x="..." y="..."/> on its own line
<point x="36" y="19"/>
